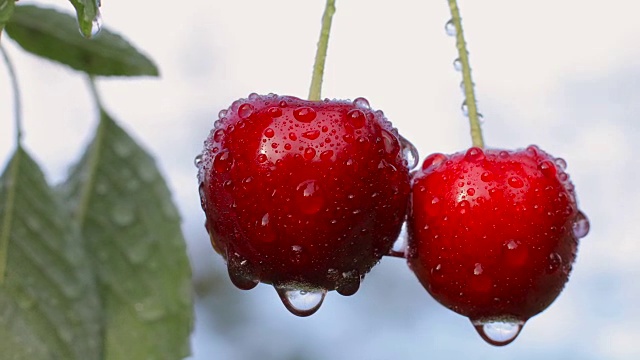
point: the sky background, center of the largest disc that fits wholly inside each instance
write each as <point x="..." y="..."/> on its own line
<point x="564" y="75"/>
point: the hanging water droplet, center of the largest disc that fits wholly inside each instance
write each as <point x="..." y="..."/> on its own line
<point x="241" y="272"/>
<point x="301" y="302"/>
<point x="362" y="103"/>
<point x="400" y="245"/>
<point x="581" y="225"/>
<point x="450" y="28"/>
<point x="409" y="152"/>
<point x="498" y="333"/>
<point x="349" y="286"/>
<point x="457" y="65"/>
<point x="96" y="24"/>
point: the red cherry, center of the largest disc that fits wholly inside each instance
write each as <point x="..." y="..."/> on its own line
<point x="304" y="195"/>
<point x="493" y="235"/>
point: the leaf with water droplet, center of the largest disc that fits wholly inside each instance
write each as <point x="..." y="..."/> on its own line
<point x="54" y="35"/>
<point x="87" y="12"/>
<point x="135" y="237"/>
<point x="49" y="306"/>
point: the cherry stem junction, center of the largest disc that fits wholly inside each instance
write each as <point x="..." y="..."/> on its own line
<point x="17" y="103"/>
<point x="321" y="52"/>
<point x="463" y="58"/>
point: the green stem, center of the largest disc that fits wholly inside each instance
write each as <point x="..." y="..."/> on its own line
<point x="463" y="56"/>
<point x="321" y="52"/>
<point x="95" y="93"/>
<point x="17" y="103"/>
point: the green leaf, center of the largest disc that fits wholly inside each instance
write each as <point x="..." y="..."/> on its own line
<point x="133" y="231"/>
<point x="88" y="14"/>
<point x="6" y="9"/>
<point x="54" y="35"/>
<point x="49" y="307"/>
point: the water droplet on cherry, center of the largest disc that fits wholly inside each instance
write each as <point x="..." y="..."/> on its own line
<point x="498" y="333"/>
<point x="223" y="161"/>
<point x="222" y="114"/>
<point x="409" y="152"/>
<point x="474" y="154"/>
<point x="274" y="112"/>
<point x="548" y="168"/>
<point x="268" y="132"/>
<point x="198" y="160"/>
<point x="311" y="134"/>
<point x="309" y="197"/>
<point x="362" y="103"/>
<point x="356" y="118"/>
<point x="304" y="114"/>
<point x="581" y="225"/>
<point x="241" y="273"/>
<point x="301" y="302"/>
<point x="433" y="160"/>
<point x="245" y="111"/>
<point x="561" y="163"/>
<point x="515" y="182"/>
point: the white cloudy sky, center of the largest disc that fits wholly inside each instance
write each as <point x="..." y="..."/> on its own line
<point x="561" y="74"/>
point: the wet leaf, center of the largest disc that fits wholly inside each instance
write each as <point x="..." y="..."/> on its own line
<point x="49" y="306"/>
<point x="54" y="35"/>
<point x="133" y="231"/>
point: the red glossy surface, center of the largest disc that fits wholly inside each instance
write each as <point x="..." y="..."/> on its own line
<point x="303" y="194"/>
<point x="491" y="233"/>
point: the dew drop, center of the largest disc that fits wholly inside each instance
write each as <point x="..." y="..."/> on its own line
<point x="457" y="65"/>
<point x="400" y="245"/>
<point x="464" y="108"/>
<point x="450" y="28"/>
<point x="474" y="154"/>
<point x="309" y="197"/>
<point x="409" y="152"/>
<point x="253" y="96"/>
<point x="301" y="302"/>
<point x="262" y="158"/>
<point x="304" y="114"/>
<point x="274" y="112"/>
<point x="326" y="155"/>
<point x="198" y="160"/>
<point x="241" y="273"/>
<point x="245" y="111"/>
<point x="309" y="153"/>
<point x="390" y="142"/>
<point x="218" y="135"/>
<point x="533" y="150"/>
<point x="548" y="168"/>
<point x="349" y="286"/>
<point x="433" y="160"/>
<point x="356" y="118"/>
<point x="222" y="114"/>
<point x="581" y="225"/>
<point x="555" y="261"/>
<point x="486" y="176"/>
<point x="311" y="134"/>
<point x="515" y="182"/>
<point x="268" y="132"/>
<point x="498" y="333"/>
<point x="362" y="103"/>
<point x="561" y="163"/>
<point x="223" y="161"/>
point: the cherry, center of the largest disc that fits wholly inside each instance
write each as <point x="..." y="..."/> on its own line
<point x="304" y="195"/>
<point x="493" y="234"/>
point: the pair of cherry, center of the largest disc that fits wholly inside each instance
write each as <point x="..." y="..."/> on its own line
<point x="309" y="195"/>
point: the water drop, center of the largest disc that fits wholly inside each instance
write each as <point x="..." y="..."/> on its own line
<point x="464" y="108"/>
<point x="245" y="111"/>
<point x="555" y="261"/>
<point x="349" y="286"/>
<point x="450" y="28"/>
<point x="309" y="153"/>
<point x="533" y="150"/>
<point x="222" y="114"/>
<point x="409" y="152"/>
<point x="218" y="135"/>
<point x="326" y="155"/>
<point x="561" y="163"/>
<point x="253" y="96"/>
<point x="548" y="168"/>
<point x="390" y="142"/>
<point x="268" y="132"/>
<point x="309" y="197"/>
<point x="198" y="160"/>
<point x="498" y="333"/>
<point x="96" y="26"/>
<point x="400" y="245"/>
<point x="241" y="272"/>
<point x="274" y="112"/>
<point x="223" y="161"/>
<point x="581" y="225"/>
<point x="356" y="118"/>
<point x="301" y="302"/>
<point x="433" y="160"/>
<point x="304" y="114"/>
<point x="362" y="103"/>
<point x="474" y="154"/>
<point x="261" y="158"/>
<point x="123" y="214"/>
<point x="515" y="182"/>
<point x="311" y="134"/>
<point x="457" y="65"/>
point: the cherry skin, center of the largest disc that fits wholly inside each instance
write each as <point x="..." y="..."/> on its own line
<point x="304" y="195"/>
<point x="493" y="233"/>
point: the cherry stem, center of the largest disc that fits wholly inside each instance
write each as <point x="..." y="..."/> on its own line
<point x="463" y="57"/>
<point x="17" y="103"/>
<point x="321" y="52"/>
